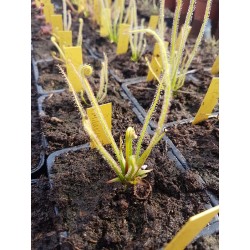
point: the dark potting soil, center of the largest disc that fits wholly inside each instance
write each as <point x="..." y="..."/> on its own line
<point x="98" y="215"/>
<point x="122" y="65"/>
<point x="183" y="105"/>
<point x="125" y="69"/>
<point x="210" y="242"/>
<point x="62" y="125"/>
<point x="36" y="135"/>
<point x="41" y="42"/>
<point x="42" y="49"/>
<point x="50" y="78"/>
<point x="43" y="230"/>
<point x="199" y="144"/>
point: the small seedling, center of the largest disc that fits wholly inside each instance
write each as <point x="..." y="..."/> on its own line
<point x="103" y="86"/>
<point x="79" y="37"/>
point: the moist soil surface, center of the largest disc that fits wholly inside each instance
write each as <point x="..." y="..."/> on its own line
<point x="62" y="125"/>
<point x="98" y="215"/>
<point x="50" y="78"/>
<point x="122" y="66"/>
<point x="199" y="144"/>
<point x="43" y="231"/>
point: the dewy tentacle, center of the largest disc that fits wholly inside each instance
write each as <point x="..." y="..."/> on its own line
<point x="98" y="112"/>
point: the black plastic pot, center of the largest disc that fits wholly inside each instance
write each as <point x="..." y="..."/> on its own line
<point x="40" y="168"/>
<point x="34" y="181"/>
<point x="39" y="88"/>
<point x="131" y="80"/>
<point x="174" y="150"/>
<point x="41" y="114"/>
<point x="181" y="164"/>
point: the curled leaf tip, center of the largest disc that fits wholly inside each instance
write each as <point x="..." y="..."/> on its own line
<point x="86" y="70"/>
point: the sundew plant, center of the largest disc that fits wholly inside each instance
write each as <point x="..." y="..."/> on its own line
<point x="174" y="59"/>
<point x="137" y="41"/>
<point x="129" y="164"/>
<point x="115" y="18"/>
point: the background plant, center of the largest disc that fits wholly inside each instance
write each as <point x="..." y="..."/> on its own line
<point x="176" y="59"/>
<point x="137" y="41"/>
<point x="83" y="6"/>
<point x="87" y="70"/>
<point x="179" y="60"/>
<point x="117" y="15"/>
